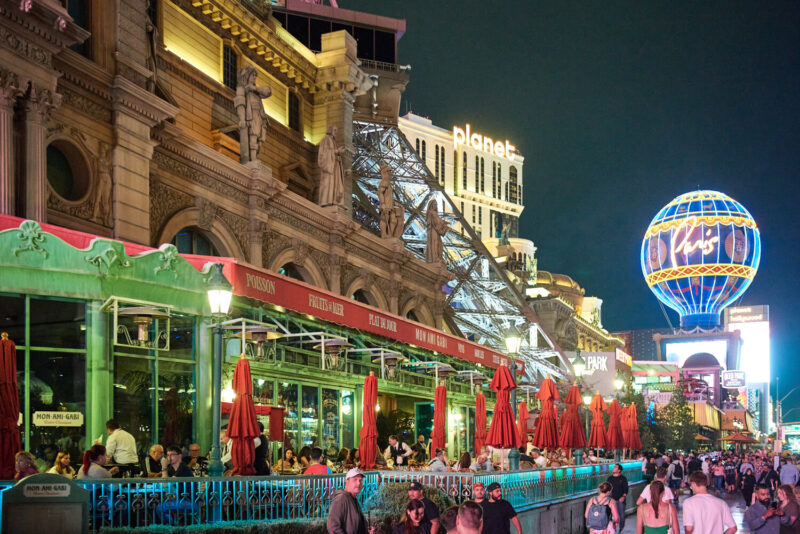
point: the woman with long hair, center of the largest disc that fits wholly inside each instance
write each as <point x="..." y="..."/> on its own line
<point x="748" y="486"/>
<point x="601" y="512"/>
<point x="656" y="516"/>
<point x="304" y="457"/>
<point x="25" y="465"/>
<point x="464" y="462"/>
<point x="790" y="524"/>
<point x="412" y="520"/>
<point x="62" y="467"/>
<point x="93" y="461"/>
<point x="288" y="462"/>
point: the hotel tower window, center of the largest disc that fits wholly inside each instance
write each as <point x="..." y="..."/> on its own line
<point x="455" y="172"/>
<point x="482" y="182"/>
<point x="436" y="167"/>
<point x="423" y="155"/>
<point x="229" y="67"/>
<point x="494" y="180"/>
<point x="417" y="144"/>
<point x="464" y="172"/>
<point x="477" y="174"/>
<point x="294" y="111"/>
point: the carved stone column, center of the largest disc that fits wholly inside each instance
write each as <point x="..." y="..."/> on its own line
<point x="10" y="91"/>
<point x="38" y="108"/>
<point x="256" y="231"/>
<point x="335" y="263"/>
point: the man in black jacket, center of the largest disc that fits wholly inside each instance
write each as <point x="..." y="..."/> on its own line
<point x="619" y="492"/>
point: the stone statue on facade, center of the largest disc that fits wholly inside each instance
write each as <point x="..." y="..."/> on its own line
<point x="253" y="120"/>
<point x="103" y="192"/>
<point x="329" y="159"/>
<point x="386" y="201"/>
<point x="436" y="229"/>
<point x="397" y="221"/>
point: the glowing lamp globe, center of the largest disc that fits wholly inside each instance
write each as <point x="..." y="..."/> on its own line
<point x="699" y="254"/>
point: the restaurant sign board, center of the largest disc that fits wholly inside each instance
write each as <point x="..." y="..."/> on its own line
<point x="58" y="418"/>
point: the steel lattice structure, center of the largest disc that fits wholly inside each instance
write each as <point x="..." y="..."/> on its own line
<point x="484" y="303"/>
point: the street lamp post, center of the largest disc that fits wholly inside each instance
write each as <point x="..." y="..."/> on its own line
<point x="513" y="342"/>
<point x="219" y="300"/>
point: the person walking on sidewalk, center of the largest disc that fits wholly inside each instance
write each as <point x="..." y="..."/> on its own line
<point x="703" y="513"/>
<point x="619" y="493"/>
<point x="657" y="516"/>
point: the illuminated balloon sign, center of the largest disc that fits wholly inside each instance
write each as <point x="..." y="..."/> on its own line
<point x="699" y="254"/>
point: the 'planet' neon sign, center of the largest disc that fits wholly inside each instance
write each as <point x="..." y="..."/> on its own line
<point x="699" y="254"/>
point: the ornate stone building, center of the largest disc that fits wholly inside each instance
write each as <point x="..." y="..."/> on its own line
<point x="129" y="131"/>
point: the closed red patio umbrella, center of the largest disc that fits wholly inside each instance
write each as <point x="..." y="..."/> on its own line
<point x="597" y="435"/>
<point x="522" y="421"/>
<point x="503" y="432"/>
<point x="614" y="434"/>
<point x="439" y="410"/>
<point x="480" y="423"/>
<point x="572" y="435"/>
<point x="368" y="444"/>
<point x="243" y="424"/>
<point x="546" y="436"/>
<point x="634" y="440"/>
<point x="10" y="442"/>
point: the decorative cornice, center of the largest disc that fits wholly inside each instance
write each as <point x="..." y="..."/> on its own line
<point x="49" y="23"/>
<point x="263" y="41"/>
<point x="127" y="97"/>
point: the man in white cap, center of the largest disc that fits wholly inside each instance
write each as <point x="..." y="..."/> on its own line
<point x="345" y="516"/>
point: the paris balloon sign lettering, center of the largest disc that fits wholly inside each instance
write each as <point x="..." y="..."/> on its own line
<point x="463" y="136"/>
<point x="699" y="254"/>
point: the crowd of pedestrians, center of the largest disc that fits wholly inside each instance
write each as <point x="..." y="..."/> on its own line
<point x="767" y="485"/>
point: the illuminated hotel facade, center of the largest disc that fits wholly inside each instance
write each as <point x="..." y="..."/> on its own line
<point x="482" y="175"/>
<point x="123" y="179"/>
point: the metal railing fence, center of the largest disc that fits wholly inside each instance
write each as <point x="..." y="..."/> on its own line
<point x="135" y="502"/>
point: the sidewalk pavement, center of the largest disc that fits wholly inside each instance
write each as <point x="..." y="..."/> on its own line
<point x="736" y="503"/>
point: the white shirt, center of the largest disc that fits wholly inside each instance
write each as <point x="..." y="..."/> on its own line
<point x="666" y="496"/>
<point x="541" y="461"/>
<point x="400" y="460"/>
<point x="95" y="471"/>
<point x="122" y="447"/>
<point x="707" y="514"/>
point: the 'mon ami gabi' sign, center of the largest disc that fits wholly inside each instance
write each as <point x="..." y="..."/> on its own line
<point x="301" y="297"/>
<point x="58" y="418"/>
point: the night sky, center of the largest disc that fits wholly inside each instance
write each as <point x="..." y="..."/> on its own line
<point x="618" y="107"/>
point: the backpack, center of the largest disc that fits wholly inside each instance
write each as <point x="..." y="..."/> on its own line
<point x="677" y="474"/>
<point x="599" y="515"/>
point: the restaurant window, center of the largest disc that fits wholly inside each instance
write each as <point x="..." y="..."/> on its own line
<point x="52" y="356"/>
<point x="155" y="391"/>
<point x="191" y="240"/>
<point x="229" y="67"/>
<point x="348" y="419"/>
<point x="287" y="397"/>
<point x="310" y="417"/>
<point x="331" y="439"/>
<point x="294" y="111"/>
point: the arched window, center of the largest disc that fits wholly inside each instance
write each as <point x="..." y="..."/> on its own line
<point x="291" y="270"/>
<point x="423" y="155"/>
<point x="364" y="297"/>
<point x="411" y="315"/>
<point x="441" y="165"/>
<point x="418" y="152"/>
<point x="191" y="240"/>
<point x="436" y="166"/>
<point x="455" y="172"/>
